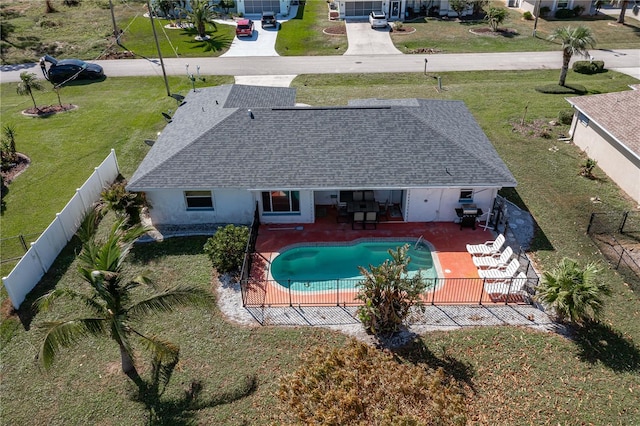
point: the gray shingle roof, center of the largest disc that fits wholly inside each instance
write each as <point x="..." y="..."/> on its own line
<point x="615" y="113"/>
<point x="381" y="144"/>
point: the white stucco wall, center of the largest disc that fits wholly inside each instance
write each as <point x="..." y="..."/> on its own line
<point x="439" y="204"/>
<point x="169" y="208"/>
<point x="618" y="163"/>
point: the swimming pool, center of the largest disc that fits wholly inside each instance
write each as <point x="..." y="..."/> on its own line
<point x="325" y="267"/>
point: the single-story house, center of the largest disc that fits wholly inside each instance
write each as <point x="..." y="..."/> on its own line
<point x="607" y="129"/>
<point x="232" y="148"/>
<point x="553" y="5"/>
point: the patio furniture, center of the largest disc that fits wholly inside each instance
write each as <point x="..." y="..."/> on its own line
<point x="468" y="214"/>
<point x="362" y="206"/>
<point x="358" y="196"/>
<point x="358" y="218"/>
<point x="369" y="196"/>
<point x="511" y="286"/>
<point x="487" y="248"/>
<point x="493" y="261"/>
<point x="371" y="218"/>
<point x="343" y="213"/>
<point x="383" y="211"/>
<point x="500" y="273"/>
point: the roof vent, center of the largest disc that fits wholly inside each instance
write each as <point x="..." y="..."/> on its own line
<point x="250" y="114"/>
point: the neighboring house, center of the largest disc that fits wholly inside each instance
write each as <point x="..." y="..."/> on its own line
<point x="395" y="9"/>
<point x="553" y="5"/>
<point x="607" y="129"/>
<point x="231" y="148"/>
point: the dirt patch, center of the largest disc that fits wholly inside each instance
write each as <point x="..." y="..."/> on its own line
<point x="501" y="32"/>
<point x="428" y="50"/>
<point x="20" y="165"/>
<point x="44" y="111"/>
<point x="537" y="128"/>
<point x="403" y="31"/>
<point x="335" y="30"/>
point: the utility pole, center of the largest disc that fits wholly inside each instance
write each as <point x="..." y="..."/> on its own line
<point x="116" y="33"/>
<point x="536" y="12"/>
<point x="155" y="37"/>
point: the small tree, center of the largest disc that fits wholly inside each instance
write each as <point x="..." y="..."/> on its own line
<point x="226" y="248"/>
<point x="201" y="12"/>
<point x="123" y="203"/>
<point x="495" y="17"/>
<point x="622" y="4"/>
<point x="458" y="6"/>
<point x="575" y="41"/>
<point x="588" y="167"/>
<point x="388" y="293"/>
<point x="574" y="292"/>
<point x="362" y="385"/>
<point x="9" y="154"/>
<point x="28" y="83"/>
<point x="226" y="5"/>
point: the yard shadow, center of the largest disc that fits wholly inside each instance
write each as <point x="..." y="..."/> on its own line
<point x="144" y="253"/>
<point x="49" y="281"/>
<point x="599" y="342"/>
<point x="182" y="411"/>
<point x="417" y="352"/>
<point x="214" y="43"/>
<point x="540" y="242"/>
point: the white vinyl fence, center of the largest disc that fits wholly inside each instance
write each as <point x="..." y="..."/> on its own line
<point x="44" y="251"/>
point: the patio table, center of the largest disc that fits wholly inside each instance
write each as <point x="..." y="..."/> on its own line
<point x="362" y="206"/>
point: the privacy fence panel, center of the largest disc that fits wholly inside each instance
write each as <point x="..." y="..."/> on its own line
<point x="44" y="251"/>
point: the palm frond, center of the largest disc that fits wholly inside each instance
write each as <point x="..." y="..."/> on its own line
<point x="171" y="299"/>
<point x="163" y="350"/>
<point x="45" y="302"/>
<point x="61" y="334"/>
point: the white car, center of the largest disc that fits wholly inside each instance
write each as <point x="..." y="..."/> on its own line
<point x="378" y="20"/>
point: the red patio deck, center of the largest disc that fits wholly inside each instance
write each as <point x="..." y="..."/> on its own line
<point x="459" y="280"/>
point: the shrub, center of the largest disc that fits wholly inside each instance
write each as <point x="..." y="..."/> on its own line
<point x="588" y="167"/>
<point x="388" y="294"/>
<point x="122" y="202"/>
<point x="565" y="116"/>
<point x="362" y="385"/>
<point x="527" y="15"/>
<point x="567" y="89"/>
<point x="226" y="248"/>
<point x="544" y="11"/>
<point x="578" y="10"/>
<point x="588" y="67"/>
<point x="397" y="26"/>
<point x="574" y="292"/>
<point x="564" y="14"/>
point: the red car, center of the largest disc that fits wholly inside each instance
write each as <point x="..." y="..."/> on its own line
<point x="244" y="28"/>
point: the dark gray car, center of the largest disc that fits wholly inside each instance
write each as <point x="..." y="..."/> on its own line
<point x="269" y="19"/>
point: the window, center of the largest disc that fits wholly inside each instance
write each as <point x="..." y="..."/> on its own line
<point x="281" y="201"/>
<point x="583" y="119"/>
<point x="198" y="200"/>
<point x="466" y="196"/>
<point x="562" y="4"/>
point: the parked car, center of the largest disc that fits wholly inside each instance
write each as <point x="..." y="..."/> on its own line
<point x="269" y="19"/>
<point x="244" y="28"/>
<point x="378" y="20"/>
<point x="69" y="70"/>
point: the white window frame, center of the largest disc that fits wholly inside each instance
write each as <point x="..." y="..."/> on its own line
<point x="198" y="195"/>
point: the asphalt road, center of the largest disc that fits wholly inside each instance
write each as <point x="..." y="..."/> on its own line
<point x="624" y="60"/>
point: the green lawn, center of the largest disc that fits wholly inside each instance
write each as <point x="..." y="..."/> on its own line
<point x="513" y="375"/>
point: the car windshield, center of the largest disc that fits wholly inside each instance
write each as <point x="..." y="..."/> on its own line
<point x="378" y="15"/>
<point x="76" y="62"/>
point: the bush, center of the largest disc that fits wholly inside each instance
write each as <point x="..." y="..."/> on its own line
<point x="578" y="10"/>
<point x="588" y="67"/>
<point x="565" y="116"/>
<point x="567" y="89"/>
<point x="226" y="248"/>
<point x="528" y="16"/>
<point x="544" y="11"/>
<point x="362" y="385"/>
<point x="122" y="202"/>
<point x="564" y="14"/>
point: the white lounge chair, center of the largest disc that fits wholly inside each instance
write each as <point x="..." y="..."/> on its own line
<point x="493" y="261"/>
<point x="487" y="248"/>
<point x="515" y="285"/>
<point x="500" y="273"/>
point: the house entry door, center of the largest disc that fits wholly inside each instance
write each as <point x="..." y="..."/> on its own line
<point x="395" y="10"/>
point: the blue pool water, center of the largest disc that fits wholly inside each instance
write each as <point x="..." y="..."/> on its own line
<point x="312" y="268"/>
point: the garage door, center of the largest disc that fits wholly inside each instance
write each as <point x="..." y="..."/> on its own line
<point x="361" y="8"/>
<point x="258" y="6"/>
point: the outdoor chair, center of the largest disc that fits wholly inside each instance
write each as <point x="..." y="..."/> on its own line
<point x="371" y="218"/>
<point x="511" y="286"/>
<point x="357" y="196"/>
<point x="369" y="196"/>
<point x="487" y="248"/>
<point x="343" y="213"/>
<point x="500" y="273"/>
<point x="383" y="211"/>
<point x="358" y="218"/>
<point x="494" y="261"/>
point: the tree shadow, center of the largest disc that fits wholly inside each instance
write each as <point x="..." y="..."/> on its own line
<point x="540" y="241"/>
<point x="182" y="411"/>
<point x="144" y="253"/>
<point x="417" y="352"/>
<point x="600" y="342"/>
<point x="214" y="43"/>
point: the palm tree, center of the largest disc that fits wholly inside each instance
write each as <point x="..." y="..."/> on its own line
<point x="496" y="16"/>
<point x="623" y="9"/>
<point x="29" y="83"/>
<point x="574" y="292"/>
<point x="200" y="13"/>
<point x="114" y="313"/>
<point x="574" y="42"/>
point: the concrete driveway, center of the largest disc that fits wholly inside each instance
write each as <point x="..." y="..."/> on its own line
<point x="364" y="40"/>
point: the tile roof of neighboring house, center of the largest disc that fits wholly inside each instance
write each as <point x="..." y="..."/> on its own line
<point x="378" y="144"/>
<point x="616" y="113"/>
